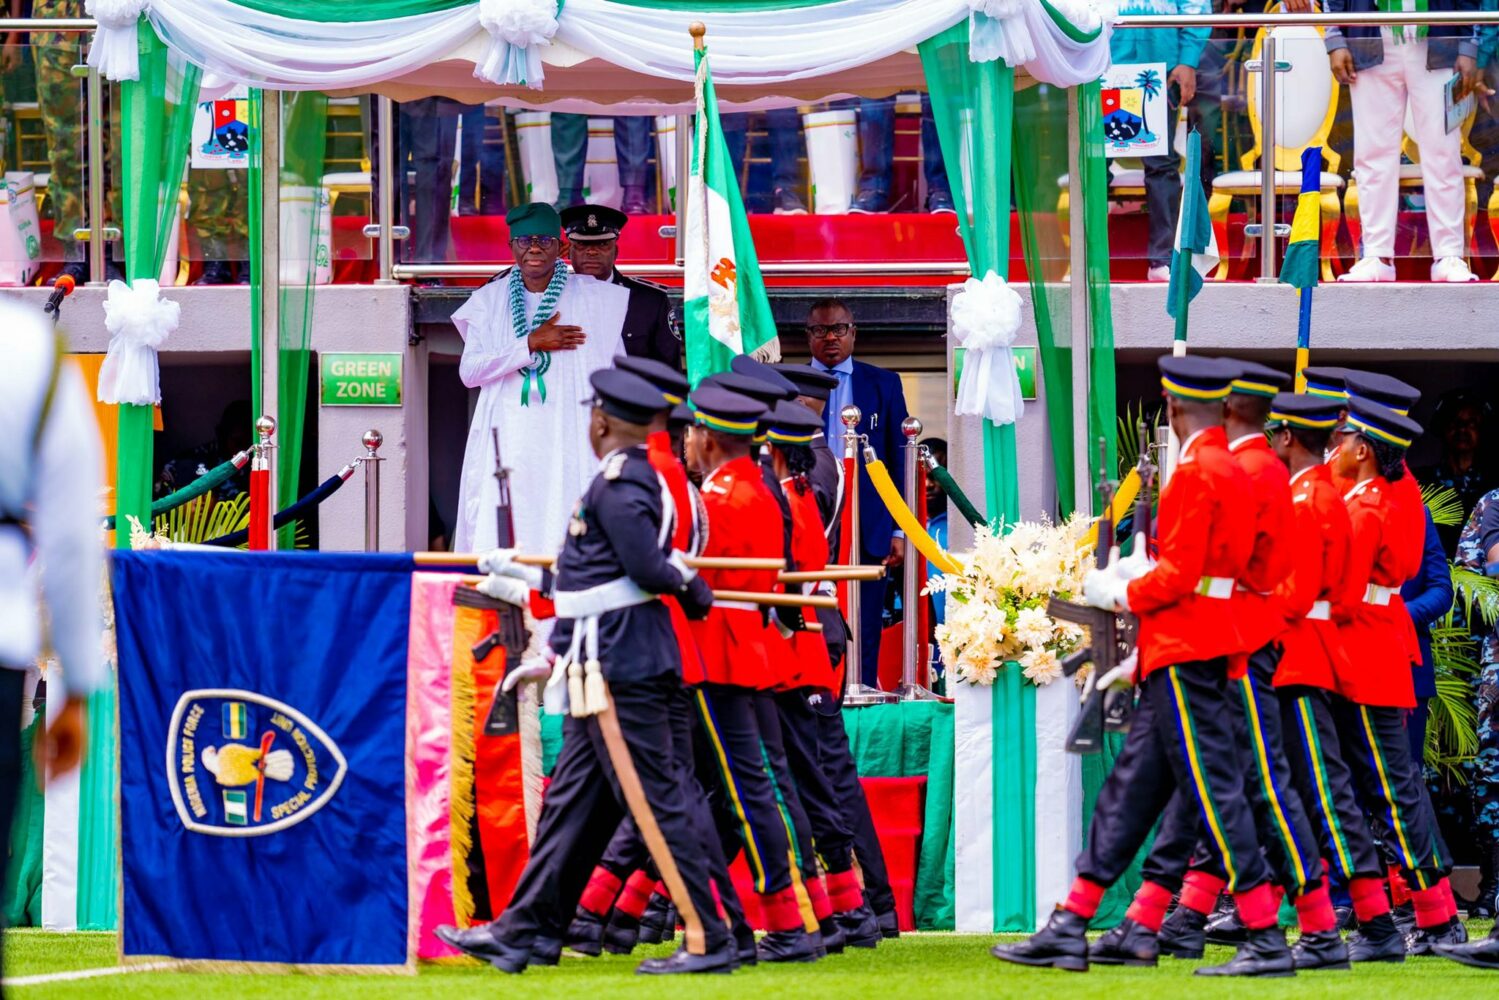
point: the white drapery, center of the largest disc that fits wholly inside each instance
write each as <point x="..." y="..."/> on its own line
<point x="750" y="48"/>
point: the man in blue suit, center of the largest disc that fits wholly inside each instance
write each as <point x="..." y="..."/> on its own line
<point x="881" y="400"/>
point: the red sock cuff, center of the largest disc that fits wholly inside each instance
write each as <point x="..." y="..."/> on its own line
<point x="1200" y="891"/>
<point x="1084" y="897"/>
<point x="1314" y="910"/>
<point x="1148" y="909"/>
<point x="780" y="910"/>
<point x="1446" y="886"/>
<point x="844" y="891"/>
<point x="1431" y="906"/>
<point x="636" y="895"/>
<point x="1257" y="907"/>
<point x="1400" y="890"/>
<point x="1369" y="899"/>
<point x="822" y="907"/>
<point x="598" y="896"/>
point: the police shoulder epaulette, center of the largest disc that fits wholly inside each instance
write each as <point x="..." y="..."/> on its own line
<point x="615" y="464"/>
<point x="651" y="285"/>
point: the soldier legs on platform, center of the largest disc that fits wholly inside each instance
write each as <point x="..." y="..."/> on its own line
<point x="837" y="761"/>
<point x="1282" y="825"/>
<point x="584" y="804"/>
<point x="1182" y="737"/>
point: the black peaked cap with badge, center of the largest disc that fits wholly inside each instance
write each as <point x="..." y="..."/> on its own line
<point x="1259" y="380"/>
<point x="1380" y="423"/>
<point x="1291" y="409"/>
<point x="1198" y="379"/>
<point x="793" y="423"/>
<point x="626" y="397"/>
<point x="755" y="388"/>
<point x="1383" y="389"/>
<point x="721" y="409"/>
<point x="809" y="381"/>
<point x="664" y="377"/>
<point x="593" y="223"/>
<point x="1326" y="381"/>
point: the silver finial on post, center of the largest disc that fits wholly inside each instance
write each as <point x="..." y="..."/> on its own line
<point x="850" y="415"/>
<point x="265" y="427"/>
<point x="911" y="428"/>
<point x="372" y="440"/>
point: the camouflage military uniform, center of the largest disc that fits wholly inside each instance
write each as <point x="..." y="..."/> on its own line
<point x="1480" y="533"/>
<point x="64" y="115"/>
<point x="219" y="212"/>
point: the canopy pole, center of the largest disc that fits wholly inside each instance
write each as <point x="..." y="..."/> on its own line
<point x="1082" y="479"/>
<point x="270" y="268"/>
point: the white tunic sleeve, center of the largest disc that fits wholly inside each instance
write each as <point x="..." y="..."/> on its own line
<point x="490" y="348"/>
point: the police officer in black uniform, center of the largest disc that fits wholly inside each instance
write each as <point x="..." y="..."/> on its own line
<point x="593" y="246"/>
<point x="616" y="559"/>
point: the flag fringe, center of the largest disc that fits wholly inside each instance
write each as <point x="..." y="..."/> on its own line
<point x="461" y="803"/>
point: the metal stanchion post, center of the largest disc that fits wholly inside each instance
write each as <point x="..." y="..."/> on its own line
<point x="855" y="692"/>
<point x="265" y="461"/>
<point x="1268" y="229"/>
<point x="910" y="597"/>
<point x="371" y="460"/>
<point x="95" y="232"/>
<point x="386" y="232"/>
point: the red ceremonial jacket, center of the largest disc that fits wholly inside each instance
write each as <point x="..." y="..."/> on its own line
<point x="802" y="660"/>
<point x="1379" y="670"/>
<point x="1206" y="535"/>
<point x="1314" y="654"/>
<point x="1260" y="620"/>
<point x="743" y="521"/>
<point x="663" y="459"/>
<point x="1410" y="525"/>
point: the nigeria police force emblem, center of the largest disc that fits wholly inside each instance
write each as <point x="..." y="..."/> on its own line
<point x="240" y="764"/>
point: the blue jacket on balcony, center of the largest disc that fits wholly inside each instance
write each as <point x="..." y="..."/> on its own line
<point x="1172" y="46"/>
<point x="1445" y="41"/>
<point x="1428" y="596"/>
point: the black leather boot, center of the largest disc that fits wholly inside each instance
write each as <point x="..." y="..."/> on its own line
<point x="546" y="951"/>
<point x="745" y="950"/>
<point x="889" y="924"/>
<point x="1128" y="943"/>
<point x="788" y="946"/>
<point x="833" y="938"/>
<point x="1061" y="944"/>
<point x="480" y="942"/>
<point x="1183" y="934"/>
<point x="1423" y="940"/>
<point x="681" y="962"/>
<point x="215" y="272"/>
<point x="621" y="934"/>
<point x="1482" y="954"/>
<point x="861" y="928"/>
<point x="1321" y="950"/>
<point x="659" y="922"/>
<point x="1377" y="940"/>
<point x="1483" y="907"/>
<point x="1263" y="953"/>
<point x="585" y="935"/>
<point x="1224" y="925"/>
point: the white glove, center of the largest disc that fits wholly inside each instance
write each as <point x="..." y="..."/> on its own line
<point x="1102" y="588"/>
<point x="504" y="588"/>
<point x="501" y="562"/>
<point x="1134" y="565"/>
<point x="537" y="671"/>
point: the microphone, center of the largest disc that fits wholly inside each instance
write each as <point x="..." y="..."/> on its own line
<point x="61" y="289"/>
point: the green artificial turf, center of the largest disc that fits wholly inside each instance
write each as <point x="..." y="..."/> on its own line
<point x="916" y="967"/>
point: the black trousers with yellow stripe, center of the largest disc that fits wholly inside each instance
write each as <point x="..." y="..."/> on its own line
<point x="831" y="832"/>
<point x="584" y="805"/>
<point x="747" y="806"/>
<point x="1182" y="738"/>
<point x="1389" y="786"/>
<point x="836" y="759"/>
<point x="1288" y="836"/>
<point x="1323" y="775"/>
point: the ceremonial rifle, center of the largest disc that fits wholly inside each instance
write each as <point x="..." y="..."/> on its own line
<point x="510" y="633"/>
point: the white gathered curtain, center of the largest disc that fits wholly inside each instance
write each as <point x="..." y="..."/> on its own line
<point x="800" y="41"/>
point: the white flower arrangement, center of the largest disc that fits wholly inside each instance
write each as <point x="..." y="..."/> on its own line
<point x="996" y="609"/>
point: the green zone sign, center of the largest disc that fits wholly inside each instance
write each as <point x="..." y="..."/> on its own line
<point x="1025" y="370"/>
<point x="361" y="379"/>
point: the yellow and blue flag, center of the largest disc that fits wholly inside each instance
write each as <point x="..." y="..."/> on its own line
<point x="263" y="761"/>
<point x="1303" y="263"/>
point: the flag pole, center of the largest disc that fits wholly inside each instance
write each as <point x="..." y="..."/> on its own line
<point x="698" y="30"/>
<point x="1303" y="338"/>
<point x="1302" y="264"/>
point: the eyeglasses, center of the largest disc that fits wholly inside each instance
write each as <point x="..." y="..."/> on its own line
<point x="534" y="242"/>
<point x="822" y="331"/>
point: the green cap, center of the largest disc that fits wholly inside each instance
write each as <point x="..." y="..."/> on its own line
<point x="535" y="219"/>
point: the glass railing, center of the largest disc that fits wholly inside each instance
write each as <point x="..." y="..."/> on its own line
<point x="851" y="192"/>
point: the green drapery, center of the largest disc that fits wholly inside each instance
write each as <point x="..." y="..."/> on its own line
<point x="973" y="105"/>
<point x="338" y="11"/>
<point x="1103" y="418"/>
<point x="23" y="875"/>
<point x="300" y="178"/>
<point x="156" y="119"/>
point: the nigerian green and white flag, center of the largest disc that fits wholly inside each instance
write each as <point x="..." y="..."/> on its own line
<point x="726" y="310"/>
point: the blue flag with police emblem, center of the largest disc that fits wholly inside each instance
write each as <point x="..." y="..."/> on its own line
<point x="262" y="755"/>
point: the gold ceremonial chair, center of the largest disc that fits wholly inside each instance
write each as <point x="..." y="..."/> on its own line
<point x="1307" y="103"/>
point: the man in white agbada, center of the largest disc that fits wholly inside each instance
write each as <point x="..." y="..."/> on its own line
<point x="531" y="338"/>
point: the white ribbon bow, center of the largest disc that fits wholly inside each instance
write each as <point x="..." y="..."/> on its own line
<point x="985" y="319"/>
<point x="517" y="29"/>
<point x="114" y="52"/>
<point x="997" y="30"/>
<point x="139" y="321"/>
